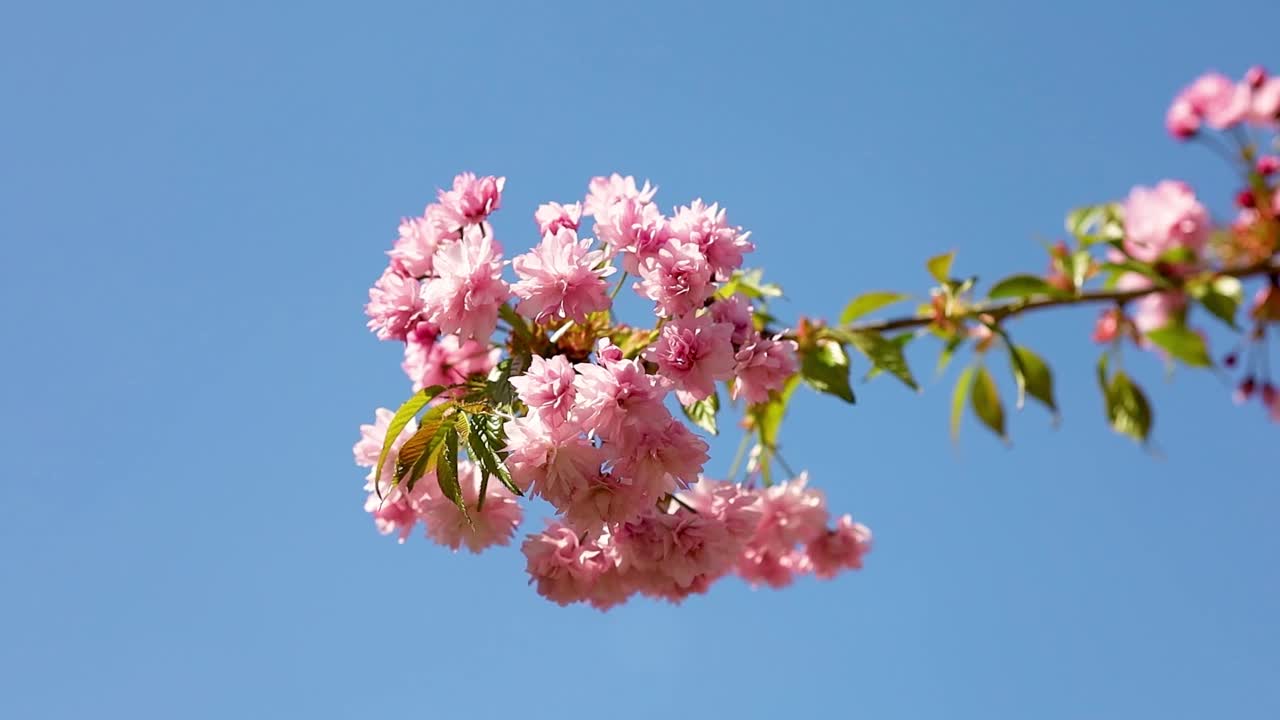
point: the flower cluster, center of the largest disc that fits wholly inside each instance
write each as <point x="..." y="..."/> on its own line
<point x="587" y="424"/>
<point x="680" y="548"/>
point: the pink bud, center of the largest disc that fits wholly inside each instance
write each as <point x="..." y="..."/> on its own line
<point x="1245" y="199"/>
<point x="1255" y="76"/>
<point x="1244" y="391"/>
<point x="1268" y="164"/>
<point x="1231" y="360"/>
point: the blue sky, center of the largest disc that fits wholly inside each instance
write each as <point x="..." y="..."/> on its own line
<point x="194" y="198"/>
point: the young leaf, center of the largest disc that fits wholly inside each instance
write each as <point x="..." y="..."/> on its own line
<point x="1222" y="298"/>
<point x="901" y="341"/>
<point x="1022" y="286"/>
<point x="703" y="413"/>
<point x="1128" y="408"/>
<point x="1182" y="343"/>
<point x="427" y="460"/>
<point x="403" y="415"/>
<point x="1033" y="376"/>
<point x="869" y="302"/>
<point x="985" y="399"/>
<point x="420" y="442"/>
<point x="940" y="266"/>
<point x="958" y="396"/>
<point x="766" y="420"/>
<point x="825" y="366"/>
<point x="884" y="354"/>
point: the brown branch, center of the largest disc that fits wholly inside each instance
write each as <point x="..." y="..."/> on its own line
<point x="1000" y="310"/>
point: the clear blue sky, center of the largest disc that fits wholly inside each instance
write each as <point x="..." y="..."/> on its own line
<point x="195" y="197"/>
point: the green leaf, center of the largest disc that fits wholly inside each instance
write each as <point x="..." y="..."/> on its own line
<point x="1221" y="297"/>
<point x="1033" y="376"/>
<point x="447" y="470"/>
<point x="869" y="302"/>
<point x="750" y="283"/>
<point x="825" y="366"/>
<point x="884" y="354"/>
<point x="486" y="449"/>
<point x="985" y="399"/>
<point x="433" y="431"/>
<point x="1022" y="286"/>
<point x="1096" y="223"/>
<point x="404" y="414"/>
<point x="958" y="396"/>
<point x="1182" y="343"/>
<point x="944" y="357"/>
<point x="901" y="341"/>
<point x="703" y="412"/>
<point x="940" y="266"/>
<point x="1128" y="408"/>
<point x="766" y="420"/>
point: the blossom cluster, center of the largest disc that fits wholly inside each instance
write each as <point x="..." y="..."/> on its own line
<point x="591" y="429"/>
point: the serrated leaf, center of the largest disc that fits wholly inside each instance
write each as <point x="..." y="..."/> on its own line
<point x="825" y="366"/>
<point x="420" y="441"/>
<point x="1033" y="376"/>
<point x="939" y="266"/>
<point x="884" y="354"/>
<point x="406" y="412"/>
<point x="984" y="397"/>
<point x="1022" y="286"/>
<point x="958" y="396"/>
<point x="703" y="412"/>
<point x="868" y="303"/>
<point x="447" y="469"/>
<point x="1182" y="343"/>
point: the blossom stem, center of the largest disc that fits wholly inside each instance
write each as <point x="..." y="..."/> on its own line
<point x="618" y="288"/>
<point x="1001" y="310"/>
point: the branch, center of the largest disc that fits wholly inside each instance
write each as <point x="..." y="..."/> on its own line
<point x="1000" y="310"/>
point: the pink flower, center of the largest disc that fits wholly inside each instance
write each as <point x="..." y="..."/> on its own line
<point x="763" y="365"/>
<point x="561" y="278"/>
<point x="617" y="394"/>
<point x="1153" y="310"/>
<point x="394" y="512"/>
<point x="1182" y="120"/>
<point x="419" y="239"/>
<point x="732" y="505"/>
<point x="603" y="501"/>
<point x="369" y="446"/>
<point x="554" y="217"/>
<point x="682" y="546"/>
<point x="1163" y="218"/>
<point x="790" y="513"/>
<point x="565" y="569"/>
<point x="553" y="462"/>
<point x="492" y="524"/>
<point x="765" y="566"/>
<point x="705" y="226"/>
<point x="693" y="352"/>
<point x="633" y="228"/>
<point x="839" y="549"/>
<point x="466" y="297"/>
<point x="472" y="199"/>
<point x="1265" y="104"/>
<point x="1107" y="326"/>
<point x="603" y="192"/>
<point x="678" y="279"/>
<point x="394" y="305"/>
<point x="445" y="360"/>
<point x="547" y="388"/>
<point x="736" y="311"/>
<point x="659" y="456"/>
